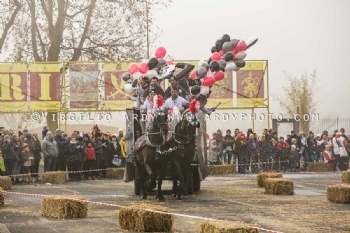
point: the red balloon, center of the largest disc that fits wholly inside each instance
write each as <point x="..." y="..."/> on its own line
<point x="169" y="62"/>
<point x="220" y="75"/>
<point x="160" y="52"/>
<point x="208" y="81"/>
<point x="193" y="75"/>
<point x="241" y="46"/>
<point x="133" y="68"/>
<point x="143" y="68"/>
<point x="215" y="56"/>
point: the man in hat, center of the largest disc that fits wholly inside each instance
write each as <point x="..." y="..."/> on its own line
<point x="154" y="86"/>
<point x="62" y="146"/>
<point x="120" y="134"/>
<point x="24" y="135"/>
<point x="174" y="85"/>
<point x="139" y="95"/>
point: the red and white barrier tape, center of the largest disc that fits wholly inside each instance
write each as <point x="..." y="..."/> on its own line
<point x="154" y="211"/>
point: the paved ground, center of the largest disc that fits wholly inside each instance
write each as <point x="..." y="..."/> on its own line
<point x="235" y="197"/>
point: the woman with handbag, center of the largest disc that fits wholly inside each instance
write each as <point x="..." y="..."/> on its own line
<point x="339" y="147"/>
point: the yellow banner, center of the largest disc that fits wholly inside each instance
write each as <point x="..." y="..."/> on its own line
<point x="45" y="85"/>
<point x="115" y="96"/>
<point x="13" y="87"/>
<point x="251" y="85"/>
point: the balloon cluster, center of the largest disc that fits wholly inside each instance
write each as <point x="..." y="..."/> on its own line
<point x="147" y="68"/>
<point x="227" y="55"/>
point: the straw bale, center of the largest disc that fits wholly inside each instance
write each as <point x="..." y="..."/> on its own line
<point x="137" y="218"/>
<point x="279" y="186"/>
<point x="226" y="227"/>
<point x="64" y="207"/>
<point x="345" y="176"/>
<point x="262" y="176"/>
<point x="5" y="182"/>
<point x="222" y="169"/>
<point x="115" y="173"/>
<point x="2" y="197"/>
<point x="320" y="167"/>
<point x="339" y="193"/>
<point x="58" y="177"/>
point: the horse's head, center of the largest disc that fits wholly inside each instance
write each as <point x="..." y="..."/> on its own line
<point x="189" y="122"/>
<point x="160" y="121"/>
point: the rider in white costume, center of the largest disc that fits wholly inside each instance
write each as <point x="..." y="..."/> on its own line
<point x="148" y="109"/>
<point x="174" y="106"/>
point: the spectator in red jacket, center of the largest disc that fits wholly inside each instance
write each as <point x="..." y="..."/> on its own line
<point x="90" y="163"/>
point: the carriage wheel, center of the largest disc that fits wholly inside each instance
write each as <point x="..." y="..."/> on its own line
<point x="137" y="185"/>
<point x="189" y="182"/>
<point x="196" y="181"/>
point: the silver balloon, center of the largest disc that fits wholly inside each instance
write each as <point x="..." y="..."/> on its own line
<point x="251" y="41"/>
<point x="161" y="63"/>
<point x="234" y="42"/>
<point x="230" y="66"/>
<point x="226" y="47"/>
<point x="200" y="63"/>
<point x="205" y="65"/>
<point x="222" y="63"/>
<point x="201" y="72"/>
<point x="241" y="55"/>
<point x="204" y="90"/>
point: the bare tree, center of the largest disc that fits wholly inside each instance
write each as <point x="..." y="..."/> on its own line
<point x="70" y="30"/>
<point x="16" y="121"/>
<point x="298" y="97"/>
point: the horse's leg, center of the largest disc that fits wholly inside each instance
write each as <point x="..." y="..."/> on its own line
<point x="179" y="177"/>
<point x="142" y="176"/>
<point x="161" y="174"/>
<point x="173" y="174"/>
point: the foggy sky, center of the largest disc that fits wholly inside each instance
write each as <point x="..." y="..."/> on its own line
<point x="295" y="36"/>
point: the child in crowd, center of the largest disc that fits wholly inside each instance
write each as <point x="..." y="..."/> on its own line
<point x="26" y="158"/>
<point x="294" y="156"/>
<point x="328" y="155"/>
<point x="90" y="161"/>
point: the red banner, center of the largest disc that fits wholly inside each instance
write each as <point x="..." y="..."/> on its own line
<point x="45" y="87"/>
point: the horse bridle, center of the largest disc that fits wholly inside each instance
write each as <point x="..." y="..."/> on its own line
<point x="156" y="114"/>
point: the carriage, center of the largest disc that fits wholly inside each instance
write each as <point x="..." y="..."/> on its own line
<point x="198" y="171"/>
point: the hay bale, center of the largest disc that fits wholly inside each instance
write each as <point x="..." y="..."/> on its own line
<point x="5" y="182"/>
<point x="115" y="173"/>
<point x="136" y="218"/>
<point x="262" y="176"/>
<point x="222" y="169"/>
<point x="339" y="193"/>
<point x="58" y="177"/>
<point x="226" y="227"/>
<point x="279" y="186"/>
<point x="320" y="167"/>
<point x="2" y="197"/>
<point x="64" y="207"/>
<point x="345" y="176"/>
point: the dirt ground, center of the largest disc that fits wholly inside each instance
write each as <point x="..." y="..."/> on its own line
<point x="235" y="197"/>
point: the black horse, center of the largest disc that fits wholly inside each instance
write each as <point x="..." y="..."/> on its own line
<point x="150" y="164"/>
<point x="183" y="143"/>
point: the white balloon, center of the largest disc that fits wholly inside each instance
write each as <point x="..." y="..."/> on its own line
<point x="128" y="88"/>
<point x="230" y="66"/>
<point x="137" y="75"/>
<point x="204" y="90"/>
<point x="151" y="73"/>
<point x="241" y="55"/>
